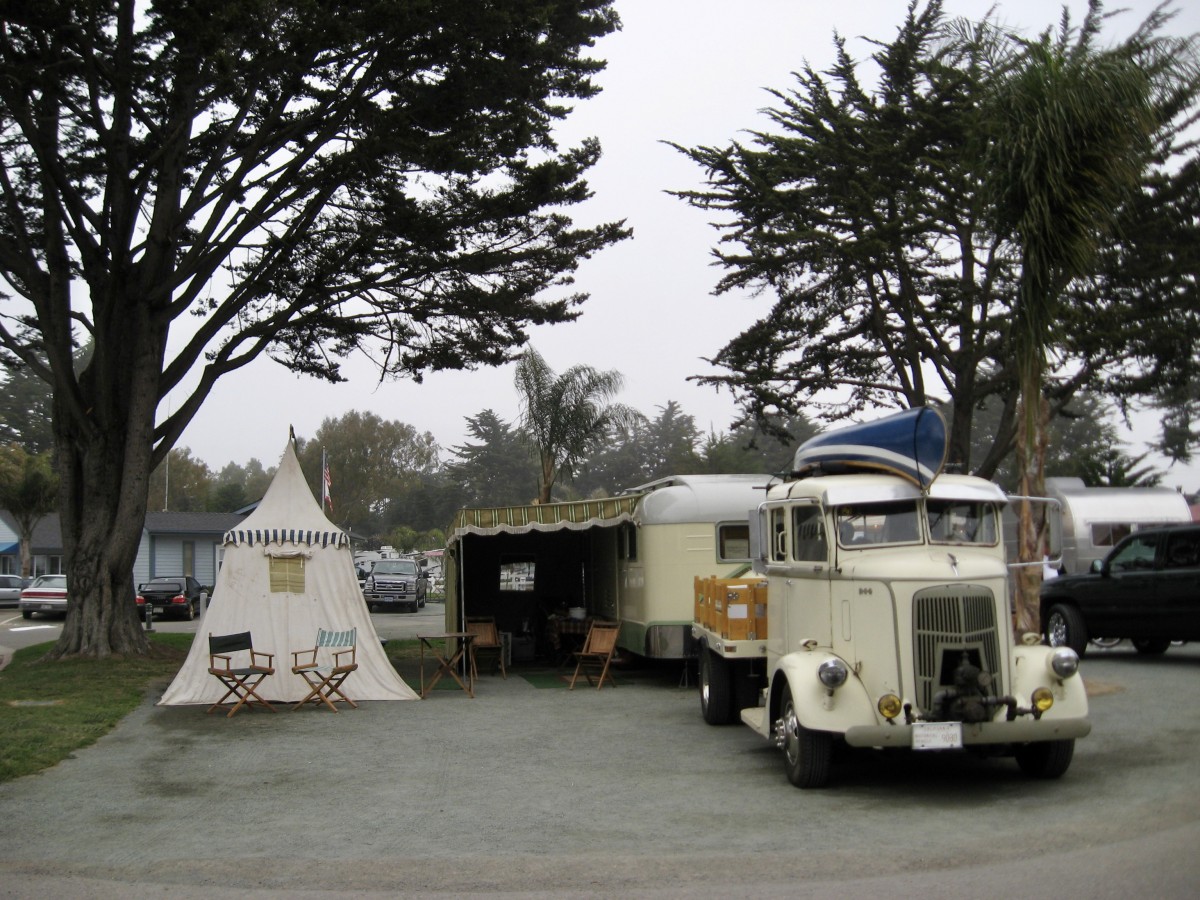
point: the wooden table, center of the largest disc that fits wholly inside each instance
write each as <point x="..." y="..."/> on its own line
<point x="457" y="641"/>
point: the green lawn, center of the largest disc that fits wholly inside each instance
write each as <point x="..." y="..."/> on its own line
<point x="48" y="710"/>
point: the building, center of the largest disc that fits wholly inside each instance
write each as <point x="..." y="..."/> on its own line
<point x="173" y="543"/>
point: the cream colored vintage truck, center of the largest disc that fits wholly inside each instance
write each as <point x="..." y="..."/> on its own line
<point x="878" y="616"/>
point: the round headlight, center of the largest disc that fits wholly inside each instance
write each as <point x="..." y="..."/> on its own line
<point x="1043" y="699"/>
<point x="833" y="673"/>
<point x="890" y="706"/>
<point x="1064" y="662"/>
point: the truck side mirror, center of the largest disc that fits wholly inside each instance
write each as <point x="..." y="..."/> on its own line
<point x="1098" y="567"/>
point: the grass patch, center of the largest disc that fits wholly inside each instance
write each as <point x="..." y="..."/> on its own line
<point x="50" y="709"/>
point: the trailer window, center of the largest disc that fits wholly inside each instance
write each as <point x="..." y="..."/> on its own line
<point x="627" y="542"/>
<point x="1109" y="534"/>
<point x="961" y="522"/>
<point x="808" y="535"/>
<point x="733" y="542"/>
<point x="864" y="524"/>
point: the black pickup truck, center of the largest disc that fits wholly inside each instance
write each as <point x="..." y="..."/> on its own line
<point x="1147" y="589"/>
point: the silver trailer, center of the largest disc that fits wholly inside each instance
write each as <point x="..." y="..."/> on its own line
<point x="1095" y="518"/>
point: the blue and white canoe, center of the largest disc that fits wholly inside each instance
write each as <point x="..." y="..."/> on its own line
<point x="911" y="444"/>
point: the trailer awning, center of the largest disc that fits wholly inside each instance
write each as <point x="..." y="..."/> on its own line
<point x="577" y="516"/>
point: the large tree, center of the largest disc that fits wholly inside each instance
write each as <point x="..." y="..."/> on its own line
<point x="862" y="211"/>
<point x="565" y="417"/>
<point x="190" y="185"/>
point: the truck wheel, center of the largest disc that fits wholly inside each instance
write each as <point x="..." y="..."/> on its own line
<point x="1151" y="646"/>
<point x="806" y="753"/>
<point x="1046" y="759"/>
<point x="716" y="696"/>
<point x="1065" y="628"/>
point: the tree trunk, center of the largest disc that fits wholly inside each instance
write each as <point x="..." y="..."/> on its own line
<point x="1032" y="425"/>
<point x="104" y="433"/>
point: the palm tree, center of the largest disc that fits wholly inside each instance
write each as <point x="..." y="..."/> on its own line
<point x="1071" y="128"/>
<point x="565" y="416"/>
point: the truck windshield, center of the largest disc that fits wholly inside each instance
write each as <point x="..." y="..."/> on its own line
<point x="961" y="522"/>
<point x="864" y="524"/>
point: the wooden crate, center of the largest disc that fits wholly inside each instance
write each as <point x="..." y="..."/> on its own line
<point x="734" y="608"/>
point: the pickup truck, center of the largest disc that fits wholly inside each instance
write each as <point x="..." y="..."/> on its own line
<point x="394" y="583"/>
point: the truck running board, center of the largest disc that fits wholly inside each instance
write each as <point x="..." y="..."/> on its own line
<point x="756" y="718"/>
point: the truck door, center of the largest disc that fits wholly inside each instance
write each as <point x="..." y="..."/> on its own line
<point x="1124" y="601"/>
<point x="808" y="610"/>
<point x="1178" y="586"/>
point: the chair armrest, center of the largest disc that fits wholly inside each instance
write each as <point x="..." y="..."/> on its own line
<point x="312" y="659"/>
<point x="255" y="654"/>
<point x="213" y="657"/>
<point x="338" y="654"/>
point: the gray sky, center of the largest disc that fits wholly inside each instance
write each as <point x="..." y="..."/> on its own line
<point x="688" y="71"/>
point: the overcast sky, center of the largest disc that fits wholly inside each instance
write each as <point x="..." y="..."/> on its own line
<point x="689" y="71"/>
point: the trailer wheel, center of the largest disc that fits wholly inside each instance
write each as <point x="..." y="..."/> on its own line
<point x="1065" y="628"/>
<point x="1151" y="646"/>
<point x="806" y="753"/>
<point x="1046" y="759"/>
<point x="716" y="694"/>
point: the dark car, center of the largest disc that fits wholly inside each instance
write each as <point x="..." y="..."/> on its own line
<point x="1147" y="589"/>
<point x="394" y="582"/>
<point x="177" y="595"/>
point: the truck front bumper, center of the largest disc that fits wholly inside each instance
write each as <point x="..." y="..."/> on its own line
<point x="1024" y="730"/>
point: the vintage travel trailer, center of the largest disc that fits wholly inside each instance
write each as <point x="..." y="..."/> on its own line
<point x="1095" y="518"/>
<point x="633" y="557"/>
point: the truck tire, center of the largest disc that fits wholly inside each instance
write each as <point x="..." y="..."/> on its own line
<point x="716" y="694"/>
<point x="1151" y="646"/>
<point x="807" y="754"/>
<point x="1046" y="759"/>
<point x="1065" y="628"/>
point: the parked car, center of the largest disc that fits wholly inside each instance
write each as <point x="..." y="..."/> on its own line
<point x="1147" y="589"/>
<point x="10" y="589"/>
<point x="47" y="594"/>
<point x="177" y="595"/>
<point x="394" y="582"/>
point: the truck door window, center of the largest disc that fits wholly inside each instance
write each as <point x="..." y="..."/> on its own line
<point x="778" y="535"/>
<point x="1183" y="550"/>
<point x="863" y="524"/>
<point x="808" y="535"/>
<point x="1137" y="554"/>
<point x="961" y="522"/>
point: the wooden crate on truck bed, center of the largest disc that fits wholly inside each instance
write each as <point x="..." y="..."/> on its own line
<point x="734" y="608"/>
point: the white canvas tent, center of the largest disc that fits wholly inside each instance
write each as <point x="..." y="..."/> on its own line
<point x="287" y="571"/>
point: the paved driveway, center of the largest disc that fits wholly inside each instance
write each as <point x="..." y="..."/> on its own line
<point x="541" y="792"/>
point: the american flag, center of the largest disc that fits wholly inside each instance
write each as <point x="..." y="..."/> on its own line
<point x="326" y="483"/>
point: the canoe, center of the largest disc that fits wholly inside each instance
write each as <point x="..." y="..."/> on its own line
<point x="911" y="443"/>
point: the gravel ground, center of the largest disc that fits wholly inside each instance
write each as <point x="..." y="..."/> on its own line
<point x="537" y="791"/>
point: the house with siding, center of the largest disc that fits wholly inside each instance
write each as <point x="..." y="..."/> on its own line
<point x="172" y="543"/>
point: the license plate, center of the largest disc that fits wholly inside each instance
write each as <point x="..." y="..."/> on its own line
<point x="936" y="735"/>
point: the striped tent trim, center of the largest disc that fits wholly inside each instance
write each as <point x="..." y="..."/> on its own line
<point x="575" y="516"/>
<point x="312" y="538"/>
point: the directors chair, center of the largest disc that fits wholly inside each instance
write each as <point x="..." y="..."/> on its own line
<point x="241" y="682"/>
<point x="326" y="680"/>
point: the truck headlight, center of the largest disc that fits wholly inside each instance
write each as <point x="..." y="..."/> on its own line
<point x="833" y="673"/>
<point x="1064" y="662"/>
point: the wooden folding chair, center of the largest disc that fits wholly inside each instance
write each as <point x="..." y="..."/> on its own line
<point x="326" y="680"/>
<point x="487" y="638"/>
<point x="597" y="654"/>
<point x="241" y="682"/>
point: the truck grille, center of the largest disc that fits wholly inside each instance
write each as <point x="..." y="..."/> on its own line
<point x="946" y="622"/>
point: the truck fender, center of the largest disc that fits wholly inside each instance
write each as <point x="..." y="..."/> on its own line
<point x="849" y="705"/>
<point x="1031" y="669"/>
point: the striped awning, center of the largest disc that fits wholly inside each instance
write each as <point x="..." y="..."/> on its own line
<point x="266" y="536"/>
<point x="577" y="516"/>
